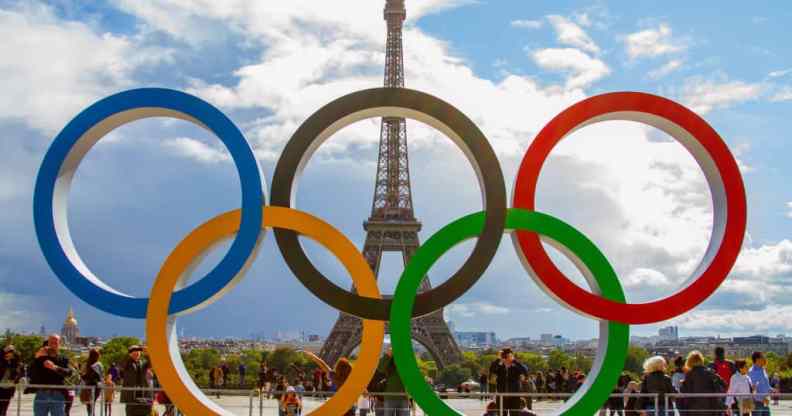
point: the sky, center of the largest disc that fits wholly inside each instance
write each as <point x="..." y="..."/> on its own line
<point x="510" y="65"/>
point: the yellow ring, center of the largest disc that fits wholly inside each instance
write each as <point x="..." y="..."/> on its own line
<point x="160" y="331"/>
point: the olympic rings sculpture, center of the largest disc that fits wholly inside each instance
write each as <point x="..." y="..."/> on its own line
<point x="247" y="225"/>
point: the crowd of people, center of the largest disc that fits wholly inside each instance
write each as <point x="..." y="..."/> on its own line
<point x="734" y="388"/>
<point x="51" y="378"/>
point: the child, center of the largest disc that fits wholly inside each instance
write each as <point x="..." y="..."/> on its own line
<point x="108" y="394"/>
<point x="290" y="403"/>
<point x="740" y="388"/>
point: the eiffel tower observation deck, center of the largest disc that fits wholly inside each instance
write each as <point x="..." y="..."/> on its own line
<point x="392" y="225"/>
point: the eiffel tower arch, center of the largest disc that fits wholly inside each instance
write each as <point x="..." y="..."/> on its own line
<point x="392" y="225"/>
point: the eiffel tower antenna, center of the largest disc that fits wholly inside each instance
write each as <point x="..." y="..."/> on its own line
<point x="392" y="225"/>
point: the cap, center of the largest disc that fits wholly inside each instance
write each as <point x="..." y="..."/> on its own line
<point x="133" y="348"/>
<point x="290" y="389"/>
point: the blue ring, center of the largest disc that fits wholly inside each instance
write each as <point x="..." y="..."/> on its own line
<point x="214" y="120"/>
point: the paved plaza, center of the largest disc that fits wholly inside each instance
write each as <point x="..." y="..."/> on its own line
<point x="241" y="406"/>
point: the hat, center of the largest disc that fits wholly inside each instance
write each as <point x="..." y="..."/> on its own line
<point x="290" y="389"/>
<point x="8" y="349"/>
<point x="133" y="348"/>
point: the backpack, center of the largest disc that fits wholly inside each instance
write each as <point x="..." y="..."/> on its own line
<point x="724" y="369"/>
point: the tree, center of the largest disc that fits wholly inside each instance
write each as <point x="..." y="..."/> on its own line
<point x="115" y="350"/>
<point x="471" y="362"/>
<point x="533" y="361"/>
<point x="454" y="375"/>
<point x="635" y="359"/>
<point x="582" y="363"/>
<point x="558" y="359"/>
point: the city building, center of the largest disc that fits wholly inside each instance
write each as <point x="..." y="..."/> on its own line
<point x="669" y="333"/>
<point x="476" y="339"/>
<point x="70" y="331"/>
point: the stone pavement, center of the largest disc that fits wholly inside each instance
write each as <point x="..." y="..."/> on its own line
<point x="239" y="405"/>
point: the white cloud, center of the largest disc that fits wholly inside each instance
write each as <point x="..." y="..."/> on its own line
<point x="780" y="73"/>
<point x="704" y="95"/>
<point x="196" y="150"/>
<point x="527" y="24"/>
<point x="59" y="67"/>
<point x="666" y="69"/>
<point x="469" y="310"/>
<point x="653" y="42"/>
<point x="583" y="70"/>
<point x="772" y="319"/>
<point x="784" y="94"/>
<point x="571" y="34"/>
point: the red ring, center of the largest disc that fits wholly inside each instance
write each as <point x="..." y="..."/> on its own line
<point x="582" y="301"/>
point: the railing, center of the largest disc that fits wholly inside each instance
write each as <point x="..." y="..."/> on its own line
<point x="252" y="402"/>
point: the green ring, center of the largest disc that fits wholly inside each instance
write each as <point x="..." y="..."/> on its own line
<point x="614" y="337"/>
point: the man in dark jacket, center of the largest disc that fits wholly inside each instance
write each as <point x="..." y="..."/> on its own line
<point x="51" y="368"/>
<point x="134" y="374"/>
<point x="511" y="374"/>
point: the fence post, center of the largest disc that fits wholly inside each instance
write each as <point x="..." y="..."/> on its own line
<point x="657" y="404"/>
<point x="261" y="402"/>
<point x="500" y="405"/>
<point x="250" y="401"/>
<point x="20" y="391"/>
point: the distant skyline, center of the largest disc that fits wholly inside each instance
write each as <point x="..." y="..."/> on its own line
<point x="509" y="65"/>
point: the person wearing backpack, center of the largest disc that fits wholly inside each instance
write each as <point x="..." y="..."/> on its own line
<point x="724" y="368"/>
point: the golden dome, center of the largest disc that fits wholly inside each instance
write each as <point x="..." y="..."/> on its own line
<point x="70" y="320"/>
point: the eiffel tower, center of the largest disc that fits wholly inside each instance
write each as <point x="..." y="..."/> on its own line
<point x="392" y="225"/>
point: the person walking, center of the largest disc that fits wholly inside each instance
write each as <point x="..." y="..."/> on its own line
<point x="134" y="377"/>
<point x="511" y="374"/>
<point x="655" y="382"/>
<point x="701" y="380"/>
<point x="91" y="376"/>
<point x="10" y="373"/>
<point x="396" y="404"/>
<point x="761" y="383"/>
<point x="50" y="367"/>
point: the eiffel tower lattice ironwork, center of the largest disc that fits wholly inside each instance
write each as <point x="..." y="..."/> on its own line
<point x="392" y="225"/>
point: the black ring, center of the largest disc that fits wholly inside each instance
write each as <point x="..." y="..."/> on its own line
<point x="391" y="102"/>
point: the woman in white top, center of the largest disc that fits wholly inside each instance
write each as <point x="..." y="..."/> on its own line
<point x="740" y="388"/>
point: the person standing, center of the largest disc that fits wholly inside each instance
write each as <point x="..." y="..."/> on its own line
<point x="51" y="368"/>
<point x="364" y="404"/>
<point x="655" y="382"/>
<point x="396" y="404"/>
<point x="10" y="373"/>
<point x="216" y="376"/>
<point x="242" y="371"/>
<point x="109" y="394"/>
<point x="510" y="373"/>
<point x="724" y="368"/>
<point x="483" y="384"/>
<point x="134" y="376"/>
<point x="340" y="374"/>
<point x="701" y="380"/>
<point x="740" y="389"/>
<point x="761" y="383"/>
<point x="91" y="376"/>
<point x="115" y="373"/>
<point x="679" y="373"/>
